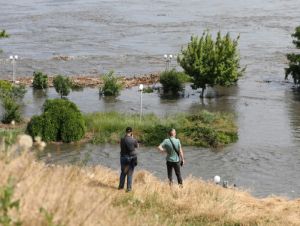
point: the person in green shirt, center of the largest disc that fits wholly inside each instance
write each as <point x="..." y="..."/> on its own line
<point x="174" y="158"/>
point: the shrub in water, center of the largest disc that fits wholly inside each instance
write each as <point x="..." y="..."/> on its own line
<point x="40" y="80"/>
<point x="11" y="110"/>
<point x="173" y="81"/>
<point x="60" y="121"/>
<point x="111" y="85"/>
<point x="4" y="34"/>
<point x="10" y="95"/>
<point x="62" y="85"/>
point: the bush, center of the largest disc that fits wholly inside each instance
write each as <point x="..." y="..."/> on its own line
<point x="61" y="121"/>
<point x="294" y="59"/>
<point x="62" y="85"/>
<point x="10" y="95"/>
<point x="173" y="81"/>
<point x="111" y="85"/>
<point x="11" y="110"/>
<point x="40" y="80"/>
<point x="4" y="34"/>
<point x="211" y="62"/>
<point x="5" y="86"/>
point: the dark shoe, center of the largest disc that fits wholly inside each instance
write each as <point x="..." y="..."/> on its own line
<point x="120" y="188"/>
<point x="128" y="190"/>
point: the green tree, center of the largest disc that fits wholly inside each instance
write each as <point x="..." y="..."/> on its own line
<point x="111" y="85"/>
<point x="294" y="59"/>
<point x="62" y="85"/>
<point x="40" y="80"/>
<point x="211" y="62"/>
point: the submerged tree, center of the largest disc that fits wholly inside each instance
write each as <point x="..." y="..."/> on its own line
<point x="211" y="62"/>
<point x="294" y="59"/>
<point x="62" y="85"/>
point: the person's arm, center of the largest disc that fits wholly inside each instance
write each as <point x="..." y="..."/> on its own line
<point x="181" y="155"/>
<point x="161" y="148"/>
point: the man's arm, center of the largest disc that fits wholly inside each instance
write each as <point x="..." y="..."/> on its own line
<point x="181" y="154"/>
<point x="160" y="148"/>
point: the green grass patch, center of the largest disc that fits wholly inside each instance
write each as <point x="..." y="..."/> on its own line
<point x="203" y="129"/>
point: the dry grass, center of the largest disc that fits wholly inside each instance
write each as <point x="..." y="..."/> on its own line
<point x="88" y="196"/>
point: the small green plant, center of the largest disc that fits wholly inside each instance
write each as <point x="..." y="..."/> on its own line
<point x="49" y="218"/>
<point x="173" y="81"/>
<point x="148" y="89"/>
<point x="211" y="62"/>
<point x="3" y="34"/>
<point x="294" y="59"/>
<point x="7" y="205"/>
<point x="40" y="80"/>
<point x="111" y="85"/>
<point x="62" y="85"/>
<point x="60" y="121"/>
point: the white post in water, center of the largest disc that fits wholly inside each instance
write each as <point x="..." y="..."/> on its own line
<point x="141" y="88"/>
<point x="13" y="62"/>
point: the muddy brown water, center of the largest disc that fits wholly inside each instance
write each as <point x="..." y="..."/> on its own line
<point x="131" y="36"/>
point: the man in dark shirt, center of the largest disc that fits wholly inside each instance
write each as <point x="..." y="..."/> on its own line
<point x="128" y="158"/>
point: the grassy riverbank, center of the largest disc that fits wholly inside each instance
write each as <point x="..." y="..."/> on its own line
<point x="203" y="129"/>
<point x="70" y="195"/>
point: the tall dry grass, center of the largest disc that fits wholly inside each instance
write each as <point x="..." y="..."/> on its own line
<point x="89" y="196"/>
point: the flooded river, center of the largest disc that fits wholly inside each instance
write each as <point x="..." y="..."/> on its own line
<point x="131" y="36"/>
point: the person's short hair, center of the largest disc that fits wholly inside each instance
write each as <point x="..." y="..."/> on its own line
<point x="171" y="130"/>
<point x="128" y="130"/>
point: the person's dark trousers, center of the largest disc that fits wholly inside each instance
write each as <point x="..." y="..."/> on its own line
<point x="127" y="168"/>
<point x="176" y="167"/>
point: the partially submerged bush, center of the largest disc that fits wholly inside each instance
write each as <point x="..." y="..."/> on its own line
<point x="111" y="85"/>
<point x="10" y="96"/>
<point x="4" y="34"/>
<point x="60" y="121"/>
<point x="11" y="110"/>
<point x="40" y="80"/>
<point x="62" y="85"/>
<point x="173" y="81"/>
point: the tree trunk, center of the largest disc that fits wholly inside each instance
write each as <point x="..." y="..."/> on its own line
<point x="202" y="92"/>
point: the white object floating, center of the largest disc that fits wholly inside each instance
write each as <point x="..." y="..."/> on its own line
<point x="217" y="179"/>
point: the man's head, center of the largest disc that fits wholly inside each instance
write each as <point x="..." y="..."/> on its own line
<point x="128" y="131"/>
<point x="172" y="133"/>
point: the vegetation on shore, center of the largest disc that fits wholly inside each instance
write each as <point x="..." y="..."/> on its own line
<point x="10" y="97"/>
<point x="61" y="121"/>
<point x="73" y="195"/>
<point x="203" y="129"/>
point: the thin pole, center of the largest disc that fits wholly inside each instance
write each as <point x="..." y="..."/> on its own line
<point x="13" y="67"/>
<point x="141" y="107"/>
